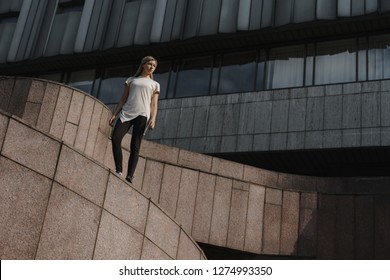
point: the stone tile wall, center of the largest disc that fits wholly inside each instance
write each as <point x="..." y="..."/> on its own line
<point x="214" y="201"/>
<point x="59" y="203"/>
<point x="329" y="116"/>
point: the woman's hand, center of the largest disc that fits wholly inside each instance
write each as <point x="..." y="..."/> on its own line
<point x="151" y="123"/>
<point x="111" y="122"/>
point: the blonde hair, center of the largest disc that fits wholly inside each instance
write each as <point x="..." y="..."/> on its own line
<point x="145" y="60"/>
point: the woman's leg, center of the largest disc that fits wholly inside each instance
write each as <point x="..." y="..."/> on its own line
<point x="119" y="132"/>
<point x="139" y="125"/>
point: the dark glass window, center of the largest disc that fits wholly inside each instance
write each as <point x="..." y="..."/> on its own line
<point x="261" y="64"/>
<point x="309" y="65"/>
<point x="161" y="75"/>
<point x="335" y="62"/>
<point x="379" y="58"/>
<point x="285" y="67"/>
<point x="112" y="84"/>
<point x="238" y="72"/>
<point x="194" y="77"/>
<point x="82" y="80"/>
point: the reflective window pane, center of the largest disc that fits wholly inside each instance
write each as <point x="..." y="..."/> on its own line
<point x="285" y="67"/>
<point x="112" y="84"/>
<point x="161" y="75"/>
<point x="261" y="62"/>
<point x="194" y="77"/>
<point x="82" y="80"/>
<point x="335" y="62"/>
<point x="238" y="73"/>
<point x="379" y="58"/>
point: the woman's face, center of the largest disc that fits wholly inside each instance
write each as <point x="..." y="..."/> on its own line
<point x="149" y="67"/>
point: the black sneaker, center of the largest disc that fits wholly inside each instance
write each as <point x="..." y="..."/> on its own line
<point x="129" y="179"/>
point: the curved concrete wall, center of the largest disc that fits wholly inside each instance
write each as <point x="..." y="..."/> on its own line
<point x="229" y="204"/>
<point x="58" y="200"/>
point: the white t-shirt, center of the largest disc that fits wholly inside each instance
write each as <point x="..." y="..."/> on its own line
<point x="140" y="96"/>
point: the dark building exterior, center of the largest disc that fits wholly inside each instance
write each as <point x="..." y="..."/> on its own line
<point x="294" y="86"/>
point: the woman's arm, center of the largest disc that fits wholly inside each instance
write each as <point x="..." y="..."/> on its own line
<point x="153" y="111"/>
<point x="120" y="104"/>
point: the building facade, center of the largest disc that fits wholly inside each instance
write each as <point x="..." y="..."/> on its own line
<point x="293" y="86"/>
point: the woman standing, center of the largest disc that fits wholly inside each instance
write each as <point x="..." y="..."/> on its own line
<point x="138" y="109"/>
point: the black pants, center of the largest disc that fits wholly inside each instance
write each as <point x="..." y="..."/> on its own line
<point x="120" y="130"/>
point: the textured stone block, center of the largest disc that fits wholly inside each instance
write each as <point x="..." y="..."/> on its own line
<point x="48" y="106"/>
<point x="23" y="200"/>
<point x="152" y="179"/>
<point x="76" y="105"/>
<point x="185" y="124"/>
<point x="93" y="129"/>
<point x="371" y="110"/>
<point x="170" y="189"/>
<point x="326" y="227"/>
<point x="70" y="133"/>
<point x="315" y="113"/>
<point x="170" y="123"/>
<point x="31" y="148"/>
<point x="227" y="168"/>
<point x="163" y="231"/>
<point x="221" y="209"/>
<point x="295" y="140"/>
<point x="351" y="138"/>
<point x="279" y="121"/>
<point x="297" y="115"/>
<point x="260" y="176"/>
<point x="272" y="227"/>
<point x="82" y="175"/>
<point x="332" y="138"/>
<point x="19" y="97"/>
<point x="333" y="89"/>
<point x="278" y="141"/>
<point x="371" y="137"/>
<point x="216" y="118"/>
<point x="290" y="222"/>
<point x="187" y="249"/>
<point x="85" y="122"/>
<point x="37" y="91"/>
<point x="31" y="113"/>
<point x="3" y="128"/>
<point x="151" y="252"/>
<point x="273" y="196"/>
<point x="246" y="114"/>
<point x="6" y="86"/>
<point x="159" y="152"/>
<point x="61" y="112"/>
<point x="345" y="227"/>
<point x="186" y="199"/>
<point x="237" y="219"/>
<point x="314" y="139"/>
<point x="116" y="240"/>
<point x="195" y="161"/>
<point x="333" y="112"/>
<point x="261" y="142"/>
<point x="254" y="224"/>
<point x="200" y="125"/>
<point x="70" y="227"/>
<point x="364" y="240"/>
<point x="352" y="110"/>
<point x="263" y="115"/>
<point x="203" y="207"/>
<point x="126" y="203"/>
